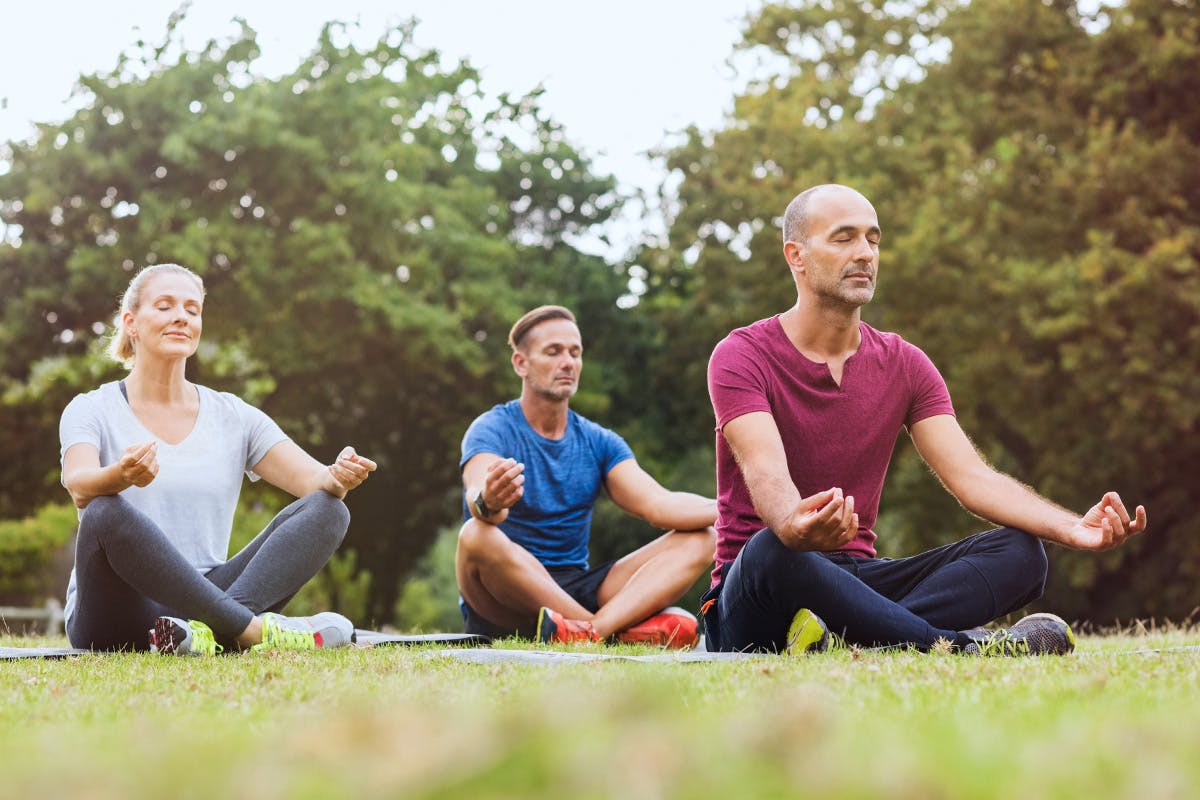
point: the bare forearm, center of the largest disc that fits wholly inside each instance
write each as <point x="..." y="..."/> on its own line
<point x="84" y="485"/>
<point x="775" y="497"/>
<point x="1000" y="499"/>
<point x="683" y="511"/>
<point x="319" y="479"/>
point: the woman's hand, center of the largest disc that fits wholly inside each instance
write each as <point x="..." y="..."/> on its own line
<point x="348" y="471"/>
<point x="139" y="464"/>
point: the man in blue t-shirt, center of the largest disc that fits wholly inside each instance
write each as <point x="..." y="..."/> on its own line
<point x="532" y="471"/>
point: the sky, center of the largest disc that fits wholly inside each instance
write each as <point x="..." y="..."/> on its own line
<point x="622" y="76"/>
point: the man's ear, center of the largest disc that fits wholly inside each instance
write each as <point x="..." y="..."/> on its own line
<point x="794" y="253"/>
<point x="520" y="363"/>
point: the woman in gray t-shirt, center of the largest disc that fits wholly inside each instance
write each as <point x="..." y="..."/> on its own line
<point x="155" y="465"/>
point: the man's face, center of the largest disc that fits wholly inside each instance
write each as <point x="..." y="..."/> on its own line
<point x="550" y="359"/>
<point x="840" y="261"/>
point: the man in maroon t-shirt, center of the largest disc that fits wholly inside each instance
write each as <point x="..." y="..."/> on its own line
<point x="808" y="406"/>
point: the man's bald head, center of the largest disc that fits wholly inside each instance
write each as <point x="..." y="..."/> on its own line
<point x="798" y="214"/>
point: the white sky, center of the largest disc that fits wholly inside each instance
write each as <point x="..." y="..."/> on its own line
<point x="621" y="76"/>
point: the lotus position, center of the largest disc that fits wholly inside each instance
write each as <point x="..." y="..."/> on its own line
<point x="532" y="469"/>
<point x="808" y="405"/>
<point x="154" y="463"/>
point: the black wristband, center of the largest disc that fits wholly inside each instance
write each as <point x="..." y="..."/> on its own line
<point x="482" y="507"/>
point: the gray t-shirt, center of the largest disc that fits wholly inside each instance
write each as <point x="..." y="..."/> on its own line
<point x="195" y="494"/>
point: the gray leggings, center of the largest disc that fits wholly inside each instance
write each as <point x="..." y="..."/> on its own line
<point x="127" y="573"/>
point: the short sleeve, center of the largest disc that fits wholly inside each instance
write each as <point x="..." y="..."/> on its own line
<point x="260" y="434"/>
<point x="613" y="450"/>
<point x="736" y="383"/>
<point x="928" y="391"/>
<point x="486" y="434"/>
<point x="80" y="424"/>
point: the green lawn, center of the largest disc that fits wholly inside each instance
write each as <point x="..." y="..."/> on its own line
<point x="392" y="722"/>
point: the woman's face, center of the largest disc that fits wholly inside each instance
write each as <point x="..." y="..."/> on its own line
<point x="168" y="319"/>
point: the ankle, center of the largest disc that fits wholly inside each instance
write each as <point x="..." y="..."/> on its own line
<point x="252" y="635"/>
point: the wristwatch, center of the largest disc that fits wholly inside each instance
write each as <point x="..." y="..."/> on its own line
<point x="482" y="507"/>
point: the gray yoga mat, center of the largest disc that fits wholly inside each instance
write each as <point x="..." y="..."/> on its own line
<point x="364" y="638"/>
<point x="39" y="652"/>
<point x="495" y="655"/>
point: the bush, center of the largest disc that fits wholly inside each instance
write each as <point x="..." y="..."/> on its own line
<point x="33" y="553"/>
<point x="429" y="600"/>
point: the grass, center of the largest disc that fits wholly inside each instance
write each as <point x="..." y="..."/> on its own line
<point x="393" y="722"/>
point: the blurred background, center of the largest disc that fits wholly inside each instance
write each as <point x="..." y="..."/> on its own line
<point x="373" y="200"/>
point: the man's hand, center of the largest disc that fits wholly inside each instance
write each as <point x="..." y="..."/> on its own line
<point x="1106" y="525"/>
<point x="823" y="522"/>
<point x="503" y="487"/>
<point x="139" y="464"/>
<point x="348" y="471"/>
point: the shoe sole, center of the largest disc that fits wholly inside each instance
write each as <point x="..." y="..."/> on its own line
<point x="806" y="634"/>
<point x="166" y="637"/>
<point x="669" y="639"/>
<point x="545" y="627"/>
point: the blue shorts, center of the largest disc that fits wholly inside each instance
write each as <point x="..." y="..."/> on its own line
<point x="580" y="583"/>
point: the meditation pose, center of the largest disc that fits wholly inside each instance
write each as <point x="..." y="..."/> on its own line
<point x="532" y="469"/>
<point x="808" y="407"/>
<point x="154" y="463"/>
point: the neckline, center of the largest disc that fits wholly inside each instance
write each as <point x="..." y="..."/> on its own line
<point x="535" y="432"/>
<point x="195" y="424"/>
<point x="821" y="367"/>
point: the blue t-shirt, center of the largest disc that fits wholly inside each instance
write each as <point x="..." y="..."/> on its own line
<point x="563" y="479"/>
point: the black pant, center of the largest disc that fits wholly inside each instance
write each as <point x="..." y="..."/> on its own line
<point x="874" y="601"/>
<point x="127" y="573"/>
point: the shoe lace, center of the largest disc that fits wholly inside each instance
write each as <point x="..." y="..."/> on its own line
<point x="203" y="640"/>
<point x="1002" y="642"/>
<point x="281" y="637"/>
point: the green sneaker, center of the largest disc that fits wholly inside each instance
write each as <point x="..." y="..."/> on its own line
<point x="807" y="634"/>
<point x="189" y="637"/>
<point x="323" y="630"/>
<point x="1034" y="635"/>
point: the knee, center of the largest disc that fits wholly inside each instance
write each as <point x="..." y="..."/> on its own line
<point x="1028" y="551"/>
<point x="1027" y="565"/>
<point x="772" y="564"/>
<point x="476" y="539"/>
<point x="332" y="515"/>
<point x="105" y="513"/>
<point x="700" y="546"/>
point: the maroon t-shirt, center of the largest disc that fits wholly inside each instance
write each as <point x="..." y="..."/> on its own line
<point x="833" y="435"/>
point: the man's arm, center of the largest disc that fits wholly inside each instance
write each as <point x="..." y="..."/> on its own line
<point x="500" y="482"/>
<point x="824" y="521"/>
<point x="637" y="493"/>
<point x="1002" y="500"/>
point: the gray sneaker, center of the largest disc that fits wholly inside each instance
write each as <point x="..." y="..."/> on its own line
<point x="183" y="637"/>
<point x="1034" y="635"/>
<point x="326" y="629"/>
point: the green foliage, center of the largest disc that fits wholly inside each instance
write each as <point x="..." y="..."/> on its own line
<point x="28" y="549"/>
<point x="429" y="600"/>
<point x="1036" y="169"/>
<point x="368" y="226"/>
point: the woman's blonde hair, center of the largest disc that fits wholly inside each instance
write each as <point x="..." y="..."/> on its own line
<point x="120" y="347"/>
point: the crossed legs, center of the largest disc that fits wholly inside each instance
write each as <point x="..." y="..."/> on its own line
<point x="128" y="573"/>
<point x="912" y="601"/>
<point x="506" y="584"/>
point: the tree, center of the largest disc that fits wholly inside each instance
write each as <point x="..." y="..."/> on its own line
<point x="1035" y="169"/>
<point x="367" y="226"/>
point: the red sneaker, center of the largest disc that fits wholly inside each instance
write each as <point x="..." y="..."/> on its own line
<point x="554" y="627"/>
<point x="672" y="627"/>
